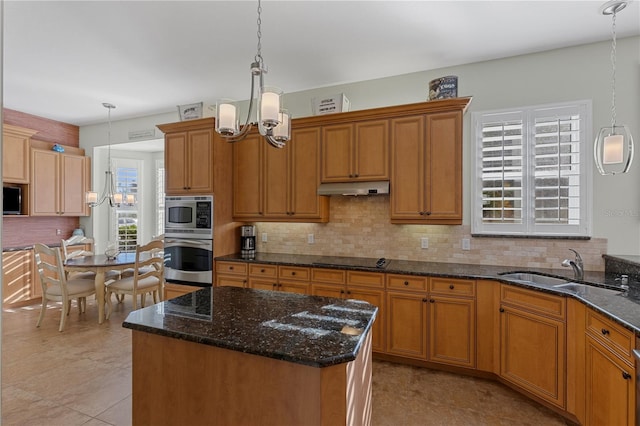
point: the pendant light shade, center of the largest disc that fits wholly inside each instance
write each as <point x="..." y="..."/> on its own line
<point x="613" y="147"/>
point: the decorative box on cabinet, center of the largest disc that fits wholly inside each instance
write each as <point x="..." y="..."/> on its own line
<point x="367" y="286"/>
<point x="355" y="152"/>
<point x="58" y="183"/>
<point x="16" y="142"/>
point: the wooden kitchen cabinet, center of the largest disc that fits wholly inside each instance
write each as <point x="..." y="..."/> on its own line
<point x="58" y="184"/>
<point x="19" y="284"/>
<point x="188" y="157"/>
<point x="16" y="142"/>
<point x="610" y="374"/>
<point x="532" y="342"/>
<point x="355" y="152"/>
<point x="233" y="274"/>
<point x="358" y="285"/>
<point x="273" y="184"/>
<point x="407" y="324"/>
<point x="426" y="169"/>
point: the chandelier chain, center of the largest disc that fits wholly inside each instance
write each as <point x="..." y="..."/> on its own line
<point x="613" y="72"/>
<point x="258" y="57"/>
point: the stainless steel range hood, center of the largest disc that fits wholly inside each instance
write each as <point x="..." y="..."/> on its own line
<point x="354" y="188"/>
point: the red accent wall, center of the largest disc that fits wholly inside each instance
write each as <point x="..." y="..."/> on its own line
<point x="26" y="231"/>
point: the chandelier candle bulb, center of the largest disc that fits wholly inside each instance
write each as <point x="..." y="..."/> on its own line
<point x="270" y="109"/>
<point x="282" y="130"/>
<point x="91" y="197"/>
<point x="613" y="149"/>
<point x="226" y="119"/>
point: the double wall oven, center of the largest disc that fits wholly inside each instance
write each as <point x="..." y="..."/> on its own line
<point x="188" y="240"/>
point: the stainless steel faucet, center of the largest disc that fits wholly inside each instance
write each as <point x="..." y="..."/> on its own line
<point x="577" y="265"/>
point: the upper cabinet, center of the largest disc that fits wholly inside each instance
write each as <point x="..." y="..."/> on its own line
<point x="188" y="157"/>
<point x="355" y="151"/>
<point x="426" y="168"/>
<point x="271" y="184"/>
<point x="16" y="142"/>
<point x="58" y="183"/>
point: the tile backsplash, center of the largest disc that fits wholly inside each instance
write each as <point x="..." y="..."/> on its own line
<point x="359" y="227"/>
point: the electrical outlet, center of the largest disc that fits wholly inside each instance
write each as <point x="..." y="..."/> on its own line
<point x="311" y="239"/>
<point x="264" y="237"/>
<point x="58" y="231"/>
<point x="466" y="244"/>
<point x="424" y="243"/>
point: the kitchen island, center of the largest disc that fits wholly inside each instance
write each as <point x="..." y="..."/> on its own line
<point x="243" y="356"/>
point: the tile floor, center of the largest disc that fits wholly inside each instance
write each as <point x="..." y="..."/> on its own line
<point x="82" y="376"/>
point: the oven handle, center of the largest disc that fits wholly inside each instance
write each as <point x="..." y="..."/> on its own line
<point x="168" y="242"/>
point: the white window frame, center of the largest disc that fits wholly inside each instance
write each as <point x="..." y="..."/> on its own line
<point x="124" y="210"/>
<point x="529" y="227"/>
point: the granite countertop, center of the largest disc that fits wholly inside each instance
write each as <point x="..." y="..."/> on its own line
<point x="623" y="308"/>
<point x="310" y="330"/>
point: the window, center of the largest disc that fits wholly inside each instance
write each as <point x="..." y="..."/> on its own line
<point x="127" y="174"/>
<point x="533" y="171"/>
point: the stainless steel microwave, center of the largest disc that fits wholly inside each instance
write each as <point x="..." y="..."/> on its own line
<point x="189" y="216"/>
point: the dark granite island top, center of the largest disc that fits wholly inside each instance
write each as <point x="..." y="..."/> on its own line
<point x="310" y="330"/>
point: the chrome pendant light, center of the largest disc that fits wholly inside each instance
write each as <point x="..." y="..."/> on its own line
<point x="109" y="193"/>
<point x="613" y="147"/>
<point x="272" y="120"/>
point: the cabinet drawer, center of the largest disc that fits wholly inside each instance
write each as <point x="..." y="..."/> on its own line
<point x="369" y="279"/>
<point x="332" y="276"/>
<point x="260" y="270"/>
<point x="226" y="280"/>
<point x="613" y="336"/>
<point x="294" y="273"/>
<point x="238" y="268"/>
<point x="407" y="282"/>
<point x="535" y="301"/>
<point x="452" y="286"/>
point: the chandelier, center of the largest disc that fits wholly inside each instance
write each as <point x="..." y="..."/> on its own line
<point x="272" y="120"/>
<point x="613" y="148"/>
<point x="109" y="193"/>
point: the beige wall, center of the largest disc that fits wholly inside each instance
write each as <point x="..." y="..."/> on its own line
<point x="360" y="227"/>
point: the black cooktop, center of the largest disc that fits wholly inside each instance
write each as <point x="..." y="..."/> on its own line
<point x="356" y="262"/>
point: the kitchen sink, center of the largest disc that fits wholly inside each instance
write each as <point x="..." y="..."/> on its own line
<point x="587" y="290"/>
<point x="532" y="277"/>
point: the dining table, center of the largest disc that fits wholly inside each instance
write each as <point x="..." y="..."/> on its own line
<point x="100" y="264"/>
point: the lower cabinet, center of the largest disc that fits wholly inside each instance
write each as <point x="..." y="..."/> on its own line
<point x="610" y="375"/>
<point x="174" y="290"/>
<point x="231" y="274"/>
<point x="367" y="286"/>
<point x="437" y="324"/>
<point x="532" y="342"/>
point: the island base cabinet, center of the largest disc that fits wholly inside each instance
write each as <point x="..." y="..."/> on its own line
<point x="176" y="382"/>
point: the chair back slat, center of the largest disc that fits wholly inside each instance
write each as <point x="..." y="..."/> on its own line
<point x="149" y="261"/>
<point x="50" y="267"/>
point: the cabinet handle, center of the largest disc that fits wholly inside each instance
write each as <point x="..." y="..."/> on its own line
<point x="406" y="283"/>
<point x="605" y="331"/>
<point x="262" y="270"/>
<point x="626" y="375"/>
<point x="341" y="291"/>
<point x="274" y="285"/>
<point x="356" y="175"/>
<point x="427" y="213"/>
<point x="432" y="301"/>
<point x="348" y="291"/>
<point x="501" y="310"/>
<point x="293" y="273"/>
<point x="425" y="300"/>
<point x="421" y="213"/>
<point x="279" y="285"/>
<point x="451" y="286"/>
<point x="231" y="268"/>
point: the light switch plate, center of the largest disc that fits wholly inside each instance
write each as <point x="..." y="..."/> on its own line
<point x="466" y="244"/>
<point x="264" y="237"/>
<point x="311" y="239"/>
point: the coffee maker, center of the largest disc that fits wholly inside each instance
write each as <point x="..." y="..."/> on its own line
<point x="248" y="241"/>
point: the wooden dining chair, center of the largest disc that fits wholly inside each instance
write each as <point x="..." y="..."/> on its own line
<point x="148" y="276"/>
<point x="56" y="286"/>
<point x="68" y="252"/>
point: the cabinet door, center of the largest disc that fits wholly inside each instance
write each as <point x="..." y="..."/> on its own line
<point x="328" y="290"/>
<point x="299" y="287"/>
<point x="276" y="181"/>
<point x="174" y="290"/>
<point x="44" y="193"/>
<point x="371" y="150"/>
<point x="247" y="181"/>
<point x="443" y="172"/>
<point x="407" y="325"/>
<point x="15" y="154"/>
<point x="73" y="185"/>
<point x="200" y="161"/>
<point x="223" y="280"/>
<point x="376" y="298"/>
<point x="407" y="168"/>
<point x="304" y="166"/>
<point x="263" y="284"/>
<point x="337" y="158"/>
<point x="452" y="331"/>
<point x="532" y="354"/>
<point x="610" y="387"/>
<point x="175" y="160"/>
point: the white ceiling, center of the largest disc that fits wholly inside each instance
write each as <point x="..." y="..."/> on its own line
<point x="63" y="59"/>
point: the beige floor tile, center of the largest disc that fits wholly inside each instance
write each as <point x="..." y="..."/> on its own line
<point x="83" y="376"/>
